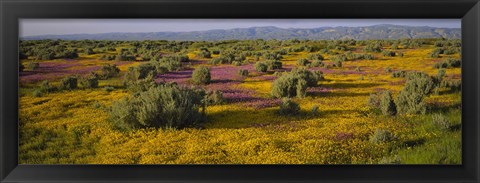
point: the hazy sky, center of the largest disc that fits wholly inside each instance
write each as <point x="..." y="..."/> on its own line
<point x="29" y="27"/>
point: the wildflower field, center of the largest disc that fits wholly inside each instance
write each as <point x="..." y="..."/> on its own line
<point x="240" y="102"/>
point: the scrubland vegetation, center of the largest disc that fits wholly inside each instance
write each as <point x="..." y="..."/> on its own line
<point x="240" y="102"/>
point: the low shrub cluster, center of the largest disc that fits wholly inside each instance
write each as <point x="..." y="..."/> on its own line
<point x="288" y="107"/>
<point x="162" y="106"/>
<point x="201" y="75"/>
<point x="295" y="83"/>
<point x="243" y="72"/>
<point x="448" y="63"/>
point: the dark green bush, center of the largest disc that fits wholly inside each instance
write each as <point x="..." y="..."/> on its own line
<point x="295" y="83"/>
<point x="89" y="51"/>
<point x="374" y="101"/>
<point x="315" y="56"/>
<point x="317" y="63"/>
<point x="243" y="72"/>
<point x="33" y="65"/>
<point x="303" y="62"/>
<point x="273" y="64"/>
<point x="410" y="98"/>
<point x="288" y="107"/>
<point x="164" y="106"/>
<point x="387" y="106"/>
<point x="69" y="83"/>
<point x="90" y="81"/>
<point x="448" y="63"/>
<point x="387" y="53"/>
<point x="46" y="87"/>
<point x="109" y="71"/>
<point x="261" y="67"/>
<point x="201" y="75"/>
<point x="441" y="121"/>
<point x="399" y="74"/>
<point x="381" y="136"/>
<point x="215" y="98"/>
<point x="204" y="54"/>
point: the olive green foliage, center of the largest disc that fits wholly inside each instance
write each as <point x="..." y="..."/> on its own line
<point x="273" y="64"/>
<point x="387" y="53"/>
<point x="164" y="106"/>
<point x="382" y="136"/>
<point x="317" y="63"/>
<point x="201" y="75"/>
<point x="448" y="63"/>
<point x="315" y="56"/>
<point x="90" y="81"/>
<point x="288" y="107"/>
<point x="33" y="65"/>
<point x="303" y="62"/>
<point x="387" y="106"/>
<point x="373" y="47"/>
<point x="399" y="74"/>
<point x="214" y="98"/>
<point x="374" y="101"/>
<point x="441" y="121"/>
<point x="261" y="67"/>
<point x="243" y="72"/>
<point x="109" y="71"/>
<point x="69" y="83"/>
<point x="295" y="83"/>
<point x="410" y="98"/>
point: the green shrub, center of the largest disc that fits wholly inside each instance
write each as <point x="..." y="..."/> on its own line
<point x="410" y="98"/>
<point x="140" y="85"/>
<point x="295" y="83"/>
<point x="261" y="67"/>
<point x="108" y="88"/>
<point x="201" y="75"/>
<point x="388" y="70"/>
<point x="373" y="47"/>
<point x="288" y="107"/>
<point x="107" y="57"/>
<point x="317" y="63"/>
<point x="273" y="64"/>
<point x="387" y="53"/>
<point x="46" y="87"/>
<point x="204" y="54"/>
<point x="315" y="56"/>
<point x="90" y="81"/>
<point x="454" y="85"/>
<point x="337" y="63"/>
<point x="69" y="83"/>
<point x="387" y="106"/>
<point x="89" y="51"/>
<point x="441" y="121"/>
<point x="315" y="109"/>
<point x="236" y="63"/>
<point x="215" y="98"/>
<point x="33" y="65"/>
<point x="303" y="62"/>
<point x="243" y="72"/>
<point x="109" y="71"/>
<point x="381" y="136"/>
<point x="165" y="106"/>
<point x="37" y="93"/>
<point x="448" y="63"/>
<point x="436" y="53"/>
<point x="399" y="74"/>
<point x="374" y="101"/>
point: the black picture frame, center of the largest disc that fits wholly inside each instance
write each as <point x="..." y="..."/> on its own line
<point x="13" y="10"/>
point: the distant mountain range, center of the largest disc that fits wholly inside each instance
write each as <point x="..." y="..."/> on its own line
<point x="383" y="31"/>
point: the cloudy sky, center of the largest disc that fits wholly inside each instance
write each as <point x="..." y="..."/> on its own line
<point x="30" y="27"/>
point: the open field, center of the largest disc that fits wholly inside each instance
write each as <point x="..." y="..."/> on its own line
<point x="74" y="126"/>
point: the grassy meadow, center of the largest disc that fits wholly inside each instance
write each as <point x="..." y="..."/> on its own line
<point x="71" y="110"/>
